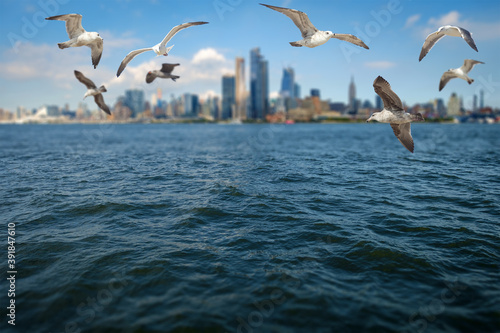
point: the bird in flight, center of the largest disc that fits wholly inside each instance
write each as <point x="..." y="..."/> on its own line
<point x="160" y="48"/>
<point x="312" y="37"/>
<point x="79" y="37"/>
<point x="394" y="114"/>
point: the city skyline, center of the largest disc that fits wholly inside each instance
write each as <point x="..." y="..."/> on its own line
<point x="30" y="60"/>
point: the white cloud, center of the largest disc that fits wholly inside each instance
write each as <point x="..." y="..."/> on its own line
<point x="208" y="94"/>
<point x="451" y="18"/>
<point x="274" y="94"/>
<point x="380" y="64"/>
<point x="412" y="20"/>
<point x="41" y="62"/>
<point x="207" y="55"/>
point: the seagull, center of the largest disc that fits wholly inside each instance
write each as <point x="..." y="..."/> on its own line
<point x="165" y="73"/>
<point x="460" y="73"/>
<point x="313" y="37"/>
<point x="394" y="114"/>
<point x="92" y="90"/>
<point x="446" y="30"/>
<point x="79" y="37"/>
<point x="159" y="48"/>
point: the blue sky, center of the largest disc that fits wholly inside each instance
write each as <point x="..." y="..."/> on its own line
<point x="34" y="71"/>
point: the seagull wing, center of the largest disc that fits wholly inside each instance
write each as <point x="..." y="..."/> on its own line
<point x="351" y="39"/>
<point x="403" y="133"/>
<point x="86" y="81"/>
<point x="429" y="43"/>
<point x="99" y="100"/>
<point x="445" y="78"/>
<point x="300" y="19"/>
<point x="96" y="51"/>
<point x="178" y="28"/>
<point x="73" y="24"/>
<point x="389" y="97"/>
<point x="469" y="64"/>
<point x="468" y="37"/>
<point x="168" y="68"/>
<point x="150" y="77"/>
<point x="128" y="58"/>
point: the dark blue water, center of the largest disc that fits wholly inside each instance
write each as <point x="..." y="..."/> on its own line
<point x="251" y="228"/>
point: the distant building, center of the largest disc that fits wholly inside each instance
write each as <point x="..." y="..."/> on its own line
<point x="241" y="94"/>
<point x="474" y="103"/>
<point x="439" y="107"/>
<point x="453" y="105"/>
<point x="315" y="93"/>
<point x="288" y="88"/>
<point x="378" y="103"/>
<point x="228" y="96"/>
<point x="481" y="99"/>
<point x="296" y="90"/>
<point x="134" y="100"/>
<point x="259" y="89"/>
<point x="353" y="105"/>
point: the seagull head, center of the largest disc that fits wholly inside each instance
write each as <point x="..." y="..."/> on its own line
<point x="374" y="116"/>
<point x="329" y="34"/>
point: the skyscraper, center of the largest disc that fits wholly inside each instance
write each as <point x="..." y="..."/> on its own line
<point x="259" y="89"/>
<point x="454" y="105"/>
<point x="481" y="99"/>
<point x="134" y="100"/>
<point x="378" y="103"/>
<point x="296" y="90"/>
<point x="288" y="88"/>
<point x="228" y="96"/>
<point x="474" y="103"/>
<point x="240" y="90"/>
<point x="188" y="104"/>
<point x="352" y="96"/>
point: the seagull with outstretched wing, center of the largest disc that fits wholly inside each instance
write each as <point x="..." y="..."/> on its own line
<point x="160" y="48"/>
<point x="312" y="37"/>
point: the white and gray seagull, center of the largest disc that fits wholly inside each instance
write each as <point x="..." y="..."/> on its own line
<point x="160" y="48"/>
<point x="79" y="37"/>
<point x="460" y="73"/>
<point x="394" y="114"/>
<point x="164" y="73"/>
<point x="92" y="90"/>
<point x="313" y="37"/>
<point x="443" y="31"/>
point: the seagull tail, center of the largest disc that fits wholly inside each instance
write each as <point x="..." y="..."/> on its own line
<point x="295" y="44"/>
<point x="63" y="45"/>
<point x="175" y="77"/>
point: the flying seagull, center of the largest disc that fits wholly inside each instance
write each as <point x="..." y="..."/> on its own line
<point x="446" y="30"/>
<point x="460" y="73"/>
<point x="160" y="48"/>
<point x="92" y="90"/>
<point x="394" y="114"/>
<point x="313" y="37"/>
<point x="164" y="73"/>
<point x="79" y="37"/>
